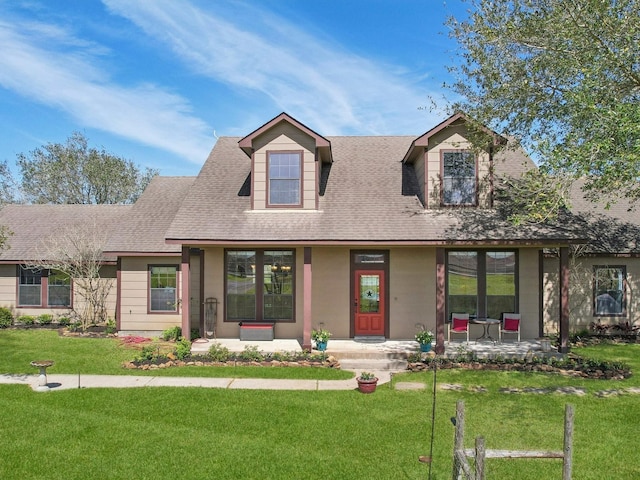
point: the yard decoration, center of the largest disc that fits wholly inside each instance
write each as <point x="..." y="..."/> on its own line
<point x="367" y="382"/>
<point x="321" y="337"/>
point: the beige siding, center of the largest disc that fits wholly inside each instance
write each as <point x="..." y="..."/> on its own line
<point x="8" y="293"/>
<point x="452" y="138"/>
<point x="8" y="286"/>
<point x="529" y="301"/>
<point x="581" y="292"/>
<point x="284" y="137"/>
<point x="412" y="291"/>
<point x="134" y="295"/>
<point x="331" y="290"/>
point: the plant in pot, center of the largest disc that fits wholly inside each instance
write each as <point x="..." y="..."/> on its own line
<point x="367" y="382"/>
<point x="424" y="338"/>
<point x="321" y="337"/>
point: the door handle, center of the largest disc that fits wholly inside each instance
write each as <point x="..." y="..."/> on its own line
<point x="355" y="302"/>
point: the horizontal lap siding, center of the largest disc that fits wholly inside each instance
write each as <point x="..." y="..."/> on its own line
<point x="8" y="286"/>
<point x="134" y="295"/>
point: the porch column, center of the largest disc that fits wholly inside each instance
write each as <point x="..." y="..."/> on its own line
<point x="440" y="301"/>
<point x="184" y="303"/>
<point x="119" y="294"/>
<point x="306" y="280"/>
<point x="564" y="300"/>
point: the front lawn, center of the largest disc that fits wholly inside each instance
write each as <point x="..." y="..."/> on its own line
<point x="216" y="433"/>
<point x="105" y="356"/>
<point x="193" y="433"/>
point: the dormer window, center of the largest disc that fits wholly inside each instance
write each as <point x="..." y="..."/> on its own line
<point x="459" y="180"/>
<point x="285" y="178"/>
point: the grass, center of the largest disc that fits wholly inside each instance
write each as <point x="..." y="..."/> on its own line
<point x="105" y="356"/>
<point x="214" y="433"/>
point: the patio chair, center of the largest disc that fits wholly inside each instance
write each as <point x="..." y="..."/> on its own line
<point x="459" y="324"/>
<point x="510" y="324"/>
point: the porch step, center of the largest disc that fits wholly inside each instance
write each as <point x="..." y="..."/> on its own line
<point x="368" y="364"/>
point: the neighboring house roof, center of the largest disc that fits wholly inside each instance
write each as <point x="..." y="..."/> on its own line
<point x="31" y="224"/>
<point x="144" y="227"/>
<point x="363" y="203"/>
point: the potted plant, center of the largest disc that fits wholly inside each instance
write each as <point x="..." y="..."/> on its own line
<point x="321" y="337"/>
<point x="424" y="338"/>
<point x="367" y="382"/>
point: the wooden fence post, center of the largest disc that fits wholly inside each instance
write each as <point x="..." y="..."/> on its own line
<point x="458" y="442"/>
<point x="567" y="460"/>
<point x="480" y="458"/>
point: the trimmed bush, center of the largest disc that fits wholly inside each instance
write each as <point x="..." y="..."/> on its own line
<point x="27" y="320"/>
<point x="45" y="319"/>
<point x="6" y="317"/>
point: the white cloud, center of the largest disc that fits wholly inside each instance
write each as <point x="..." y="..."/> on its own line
<point x="47" y="64"/>
<point x="310" y="77"/>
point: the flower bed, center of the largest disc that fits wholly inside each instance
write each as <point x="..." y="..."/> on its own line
<point x="235" y="361"/>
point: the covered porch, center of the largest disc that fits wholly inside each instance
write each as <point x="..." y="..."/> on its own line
<point x="389" y="349"/>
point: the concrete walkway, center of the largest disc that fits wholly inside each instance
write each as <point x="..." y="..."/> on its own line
<point x="65" y="382"/>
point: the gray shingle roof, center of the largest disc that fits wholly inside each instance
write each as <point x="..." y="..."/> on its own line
<point x="143" y="229"/>
<point x="616" y="229"/>
<point x="363" y="202"/>
<point x="31" y="223"/>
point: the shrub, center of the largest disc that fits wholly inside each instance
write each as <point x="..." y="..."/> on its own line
<point x="148" y="353"/>
<point x="219" y="353"/>
<point x="111" y="326"/>
<point x="45" y="319"/>
<point x="6" y="317"/>
<point x="27" y="320"/>
<point x="183" y="348"/>
<point x="63" y="321"/>
<point x="171" y="334"/>
<point x="252" y="354"/>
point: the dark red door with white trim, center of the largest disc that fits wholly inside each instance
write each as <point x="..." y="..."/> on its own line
<point x="369" y="302"/>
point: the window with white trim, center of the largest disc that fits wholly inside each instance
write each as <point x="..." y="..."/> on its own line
<point x="163" y="288"/>
<point x="285" y="178"/>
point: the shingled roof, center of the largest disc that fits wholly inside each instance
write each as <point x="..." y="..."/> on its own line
<point x="613" y="230"/>
<point x="363" y="203"/>
<point x="143" y="230"/>
<point x="32" y="223"/>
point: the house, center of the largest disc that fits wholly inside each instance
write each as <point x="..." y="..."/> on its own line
<point x="371" y="236"/>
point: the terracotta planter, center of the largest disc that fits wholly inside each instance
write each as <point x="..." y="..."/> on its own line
<point x="367" y="386"/>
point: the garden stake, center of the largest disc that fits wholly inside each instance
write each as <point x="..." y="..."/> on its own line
<point x="429" y="459"/>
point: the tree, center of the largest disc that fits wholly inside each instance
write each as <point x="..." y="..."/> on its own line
<point x="78" y="174"/>
<point x="563" y="76"/>
<point x="77" y="252"/>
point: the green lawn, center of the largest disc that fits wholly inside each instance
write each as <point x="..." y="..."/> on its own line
<point x="213" y="433"/>
<point x="105" y="356"/>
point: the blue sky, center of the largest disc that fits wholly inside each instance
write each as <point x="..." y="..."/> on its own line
<point x="155" y="81"/>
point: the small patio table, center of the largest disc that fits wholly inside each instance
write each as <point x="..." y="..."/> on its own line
<point x="486" y="323"/>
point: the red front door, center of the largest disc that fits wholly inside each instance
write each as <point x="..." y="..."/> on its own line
<point x="369" y="302"/>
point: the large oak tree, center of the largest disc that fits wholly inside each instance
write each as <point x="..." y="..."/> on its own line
<point x="75" y="173"/>
<point x="564" y="77"/>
